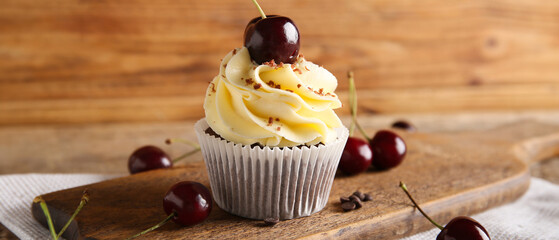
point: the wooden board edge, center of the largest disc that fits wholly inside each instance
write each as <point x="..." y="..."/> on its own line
<point x="405" y="222"/>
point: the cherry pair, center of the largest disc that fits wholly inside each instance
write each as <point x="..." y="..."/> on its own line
<point x="384" y="151"/>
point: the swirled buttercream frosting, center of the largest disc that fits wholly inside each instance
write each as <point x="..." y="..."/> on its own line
<point x="281" y="105"/>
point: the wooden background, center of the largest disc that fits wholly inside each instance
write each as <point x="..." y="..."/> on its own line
<point x="96" y="61"/>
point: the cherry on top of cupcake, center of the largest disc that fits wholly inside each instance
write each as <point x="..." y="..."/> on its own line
<point x="272" y="37"/>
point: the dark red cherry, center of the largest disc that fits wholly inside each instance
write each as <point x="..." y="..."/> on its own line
<point x="148" y="158"/>
<point x="459" y="228"/>
<point x="388" y="148"/>
<point x="272" y="38"/>
<point x="463" y="227"/>
<point x="191" y="202"/>
<point x="401" y="124"/>
<point x="356" y="157"/>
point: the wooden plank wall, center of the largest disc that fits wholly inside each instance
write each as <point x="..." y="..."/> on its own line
<point x="89" y="61"/>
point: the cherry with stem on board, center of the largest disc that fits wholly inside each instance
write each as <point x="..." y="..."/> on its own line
<point x="186" y="203"/>
<point x="357" y="155"/>
<point x="459" y="228"/>
<point x="150" y="157"/>
<point x="388" y="148"/>
<point x="44" y="207"/>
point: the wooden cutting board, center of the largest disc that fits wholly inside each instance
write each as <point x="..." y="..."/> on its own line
<point x="449" y="174"/>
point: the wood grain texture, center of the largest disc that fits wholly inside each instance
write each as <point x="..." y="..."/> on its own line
<point x="449" y="175"/>
<point x="70" y="61"/>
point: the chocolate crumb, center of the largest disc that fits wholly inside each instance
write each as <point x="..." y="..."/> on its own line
<point x="249" y="81"/>
<point x="344" y="199"/>
<point x="299" y="85"/>
<point x="358" y="204"/>
<point x="271" y="221"/>
<point x="271" y="63"/>
<point x="289" y="90"/>
<point x="367" y="198"/>
<point x="257" y="86"/>
<point x="277" y="119"/>
<point x="348" y="206"/>
<point x="225" y="65"/>
<point x="356" y="200"/>
<point x="278" y="86"/>
<point x="360" y="195"/>
<point x="270" y="121"/>
<point x="234" y="51"/>
<point x="278" y="128"/>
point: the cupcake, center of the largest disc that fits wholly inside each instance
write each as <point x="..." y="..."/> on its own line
<point x="270" y="139"/>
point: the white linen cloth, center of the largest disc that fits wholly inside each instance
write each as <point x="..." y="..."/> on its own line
<point x="535" y="215"/>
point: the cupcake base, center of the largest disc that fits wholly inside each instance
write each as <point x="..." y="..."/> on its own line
<point x="261" y="183"/>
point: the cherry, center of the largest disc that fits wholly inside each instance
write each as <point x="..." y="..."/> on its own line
<point x="272" y="37"/>
<point x="389" y="149"/>
<point x="148" y="158"/>
<point x="463" y="227"/>
<point x="401" y="124"/>
<point x="187" y="203"/>
<point x="191" y="201"/>
<point x="356" y="157"/>
<point x="459" y="228"/>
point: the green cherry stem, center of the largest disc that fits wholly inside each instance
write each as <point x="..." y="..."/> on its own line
<point x="83" y="202"/>
<point x="191" y="143"/>
<point x="403" y="186"/>
<point x="195" y="145"/>
<point x="172" y="215"/>
<point x="181" y="157"/>
<point x="259" y="9"/>
<point x="352" y="102"/>
<point x="45" y="209"/>
<point x="353" y="108"/>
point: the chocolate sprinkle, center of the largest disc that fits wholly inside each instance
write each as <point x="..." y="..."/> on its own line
<point x="360" y="195"/>
<point x="348" y="206"/>
<point x="271" y="221"/>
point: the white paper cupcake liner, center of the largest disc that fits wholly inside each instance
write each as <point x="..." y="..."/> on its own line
<point x="261" y="183"/>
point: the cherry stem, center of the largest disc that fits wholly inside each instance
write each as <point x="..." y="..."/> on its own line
<point x="181" y="157"/>
<point x="83" y="202"/>
<point x="195" y="145"/>
<point x="172" y="215"/>
<point x="259" y="9"/>
<point x="45" y="209"/>
<point x="403" y="186"/>
<point x="353" y="108"/>
<point x="191" y="143"/>
<point x="352" y="103"/>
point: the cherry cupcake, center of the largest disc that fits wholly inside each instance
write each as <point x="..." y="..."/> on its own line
<point x="271" y="140"/>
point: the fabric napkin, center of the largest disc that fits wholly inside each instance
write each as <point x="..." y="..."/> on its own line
<point x="533" y="216"/>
